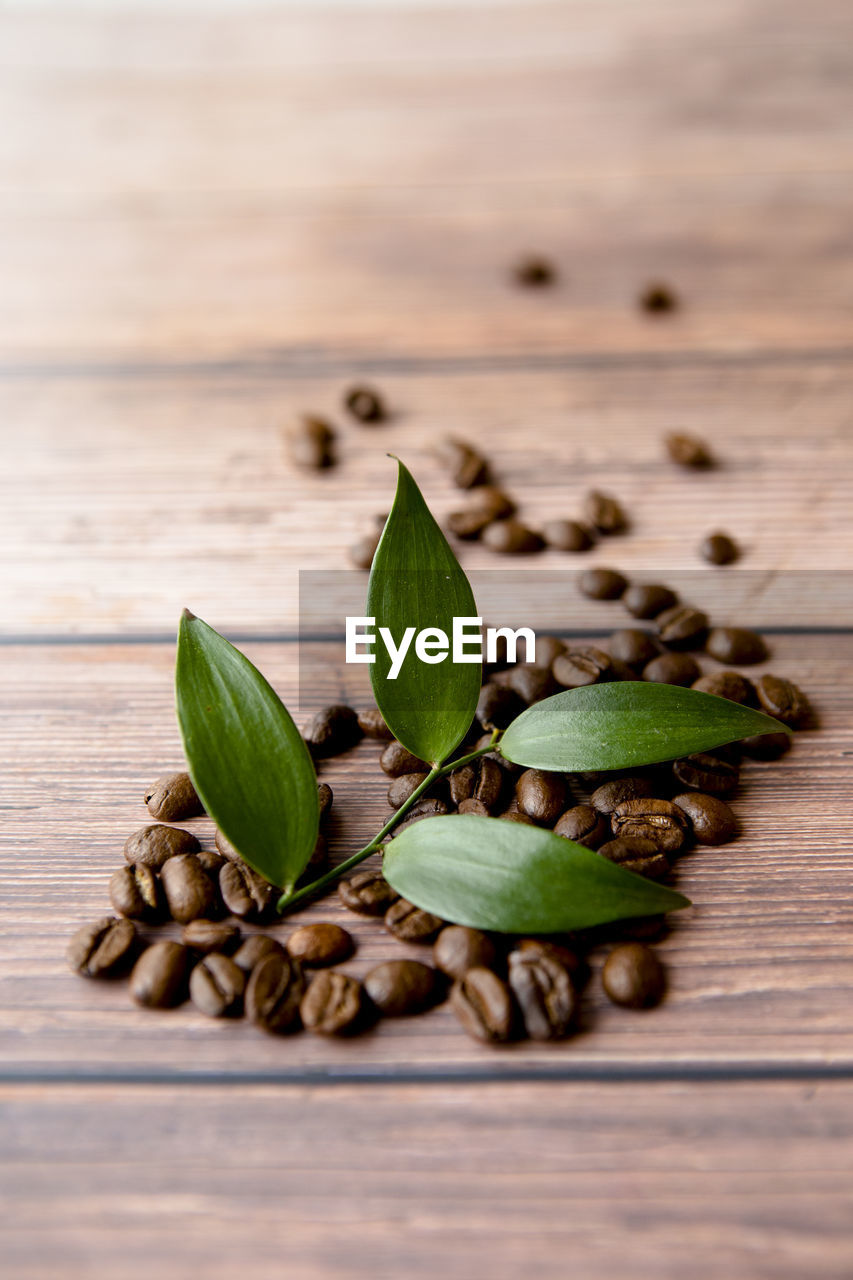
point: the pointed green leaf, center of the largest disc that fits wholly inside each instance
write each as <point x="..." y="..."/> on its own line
<point x="416" y="582"/>
<point x="492" y="874"/>
<point x="246" y="757"/>
<point x="625" y="724"/>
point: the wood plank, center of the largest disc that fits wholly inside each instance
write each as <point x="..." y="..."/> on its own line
<point x="752" y="1180"/>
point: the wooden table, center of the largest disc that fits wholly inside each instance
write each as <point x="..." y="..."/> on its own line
<point x="216" y="218"/>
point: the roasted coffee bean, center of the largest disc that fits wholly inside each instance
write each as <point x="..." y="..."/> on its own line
<point x="246" y="894"/>
<point x="497" y="706"/>
<point x="333" y="1004"/>
<point x="400" y="987"/>
<point x="159" y="978"/>
<point x="544" y="993"/>
<point x="225" y="847"/>
<point x="610" y="794"/>
<point x="466" y="465"/>
<point x="368" y="893"/>
<point x="636" y="854"/>
<point x="658" y="298"/>
<point x="211" y="863"/>
<point x="373" y="726"/>
<point x="254" y="948"/>
<point x="318" y="945"/>
<point x="205" y="936"/>
<point x="482" y="780"/>
<point x="534" y="273"/>
<point x="672" y="668"/>
<point x="633" y="647"/>
<point x="410" y="923"/>
<point x="604" y="512"/>
<point x="333" y="730"/>
<point x="565" y="956"/>
<point x="655" y="820"/>
<point x="274" y="991"/>
<point x="648" y="599"/>
<point x="396" y="760"/>
<point x="633" y="976"/>
<point x="511" y="537"/>
<point x="458" y="949"/>
<point x="325" y="798"/>
<point x="403" y="787"/>
<point x="468" y="523"/>
<point x="602" y="584"/>
<point x="423" y="809"/>
<point x="727" y="684"/>
<point x="735" y="644"/>
<point x="318" y="862"/>
<point x="681" y="626"/>
<point x="541" y="795"/>
<point x="364" y="404"/>
<point x="781" y="699"/>
<point x="173" y="798"/>
<point x="310" y="444"/>
<point x="582" y="666"/>
<point x="488" y="503"/>
<point x="567" y="535"/>
<point x="217" y="985"/>
<point x="766" y="746"/>
<point x="474" y="806"/>
<point x="104" y="948"/>
<point x="532" y="684"/>
<point x="706" y="772"/>
<point x="362" y="551"/>
<point x="710" y="817"/>
<point x="719" y="548"/>
<point x="154" y="845"/>
<point x="190" y="892"/>
<point x="688" y="450"/>
<point x="135" y="892"/>
<point x="512" y="815"/>
<point x="483" y="1004"/>
<point x="547" y="649"/>
<point x="584" y="825"/>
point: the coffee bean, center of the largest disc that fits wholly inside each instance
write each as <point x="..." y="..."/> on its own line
<point x="710" y="817"/>
<point x="582" y="666"/>
<point x="216" y="986"/>
<point x="190" y="893"/>
<point x="333" y="1004"/>
<point x="396" y="760"/>
<point x="511" y="537"/>
<point x="474" y="806"/>
<point x="544" y="993"/>
<point x="541" y="795"/>
<point x="410" y="923"/>
<point x="565" y="956"/>
<point x="159" y="978"/>
<point x="274" y="992"/>
<point x="655" y="820"/>
<point x="482" y="780"/>
<point x="318" y="945"/>
<point x="400" y="987"/>
<point x="727" y="684"/>
<point x="135" y="892"/>
<point x="246" y="894"/>
<point x="719" y="548"/>
<point x="368" y="893"/>
<point x="672" y="668"/>
<point x="681" y="626"/>
<point x="658" y="298"/>
<point x="211" y="863"/>
<point x="781" y="699"/>
<point x="604" y="512"/>
<point x="687" y="450"/>
<point x="514" y="816"/>
<point x="310" y="444"/>
<point x="637" y="854"/>
<point x="706" y="772"/>
<point x="766" y="746"/>
<point x="532" y="684"/>
<point x="648" y="599"/>
<point x="364" y="404"/>
<point x="205" y="936"/>
<point x="254" y="948"/>
<point x="468" y="523"/>
<point x="534" y="273"/>
<point x="324" y="798"/>
<point x="362" y="551"/>
<point x="155" y="844"/>
<point x="567" y="535"/>
<point x="333" y="730"/>
<point x="633" y="976"/>
<point x="483" y="1004"/>
<point x="610" y="794"/>
<point x="583" y="825"/>
<point x="373" y="726"/>
<point x="225" y="847"/>
<point x="458" y="949"/>
<point x="547" y="649"/>
<point x="735" y="644"/>
<point x="102" y="949"/>
<point x="173" y="798"/>
<point x="403" y="787"/>
<point x="497" y="706"/>
<point x="317" y="863"/>
<point x="634" y="647"/>
<point x="602" y="584"/>
<point x="488" y="503"/>
<point x="466" y="465"/>
<point x="423" y="809"/>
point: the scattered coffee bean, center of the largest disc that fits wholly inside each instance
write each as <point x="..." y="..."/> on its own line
<point x="637" y="854"/>
<point x="497" y="706"/>
<point x="511" y="537"/>
<point x="658" y="298"/>
<point x="317" y="945"/>
<point x="633" y="976"/>
<point x="610" y="794"/>
<point x="735" y="644"/>
<point x="567" y="535"/>
<point x="310" y="444"/>
<point x="217" y="985"/>
<point x="400" y="987"/>
<point x="633" y="647"/>
<point x="582" y="666"/>
<point x="672" y="668"/>
<point x="512" y="815"/>
<point x="104" y="948"/>
<point x="727" y="684"/>
<point x="396" y="760"/>
<point x="155" y="844"/>
<point x="466" y="464"/>
<point x="541" y="795"/>
<point x="368" y="893"/>
<point x="781" y="699"/>
<point x="274" y="992"/>
<point x="565" y="956"/>
<point x="205" y="936"/>
<point x="173" y="798"/>
<point x="403" y="787"/>
<point x="547" y="649"/>
<point x="468" y="523"/>
<point x="534" y="273"/>
<point x="410" y="923"/>
<point x="483" y="1005"/>
<point x="687" y="450"/>
<point x="602" y="584"/>
<point x="361" y="552"/>
<point x="482" y="780"/>
<point x="364" y="404"/>
<point x="604" y="512"/>
<point x="710" y="817"/>
<point x="135" y="892"/>
<point x="423" y="809"/>
<point x="766" y="746"/>
<point x="682" y="626"/>
<point x="254" y="948"/>
<point x="225" y="848"/>
<point x="246" y="894"/>
<point x="333" y="730"/>
<point x="655" y="820"/>
<point x="719" y="548"/>
<point x="318" y="862"/>
<point x="474" y="806"/>
<point x="648" y="599"/>
<point x="159" y="978"/>
<point x="333" y="1004"/>
<point x="458" y="949"/>
<point x="189" y="891"/>
<point x="325" y="798"/>
<point x="373" y="726"/>
<point x="544" y="993"/>
<point x="211" y="863"/>
<point x="488" y="503"/>
<point x="706" y="772"/>
<point x="532" y="684"/>
<point x="583" y="825"/>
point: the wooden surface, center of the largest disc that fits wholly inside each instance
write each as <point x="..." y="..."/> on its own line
<point x="211" y="220"/>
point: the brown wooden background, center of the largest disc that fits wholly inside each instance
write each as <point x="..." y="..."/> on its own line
<point x="212" y="219"/>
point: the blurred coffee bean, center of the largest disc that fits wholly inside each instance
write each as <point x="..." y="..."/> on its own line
<point x="216" y="986"/>
<point x="364" y="404"/>
<point x="704" y="771"/>
<point x="403" y="787"/>
<point x="511" y="537"/>
<point x="544" y="994"/>
<point x="727" y="684"/>
<point x="634" y="647"/>
<point x="333" y="730"/>
<point x="211" y="863"/>
<point x="650" y="819"/>
<point x="672" y="668"/>
<point x="368" y="893"/>
<point x="373" y="726"/>
<point x="159" y="977"/>
<point x="423" y="809"/>
<point x="401" y="987"/>
<point x="637" y="854"/>
<point x="582" y="666"/>
<point x="318" y="945"/>
<point x="310" y="444"/>
<point x="254" y="948"/>
<point x="135" y="892"/>
<point x="483" y="1005"/>
<point x="274" y="992"/>
<point x="104" y="948"/>
<point x="246" y="894"/>
<point x="658" y="298"/>
<point x="497" y="706"/>
<point x="173" y="798"/>
<point x="781" y="699"/>
<point x="735" y="644"/>
<point x="410" y="924"/>
<point x="325" y="798"/>
<point x="567" y="535"/>
<point x="515" y="816"/>
<point x="333" y="1004"/>
<point x="458" y="949"/>
<point x="565" y="956"/>
<point x="719" y="548"/>
<point x="648" y="599"/>
<point x="541" y="795"/>
<point x="682" y="626"/>
<point x="604" y="512"/>
<point x="205" y="936"/>
<point x="189" y="891"/>
<point x="547" y="649"/>
<point x="633" y="976"/>
<point x="474" y="806"/>
<point x="534" y="273"/>
<point x="466" y="465"/>
<point x="396" y="760"/>
<point x="225" y="847"/>
<point x="155" y="844"/>
<point x="766" y="746"/>
<point x="602" y="584"/>
<point x="710" y="817"/>
<point x="488" y="503"/>
<point x="688" y="450"/>
<point x="362" y="551"/>
<point x="532" y="684"/>
<point x="583" y="825"/>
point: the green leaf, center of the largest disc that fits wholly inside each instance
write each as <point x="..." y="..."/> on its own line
<point x="492" y="874"/>
<point x="624" y="724"/>
<point x="246" y="757"/>
<point x="416" y="582"/>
